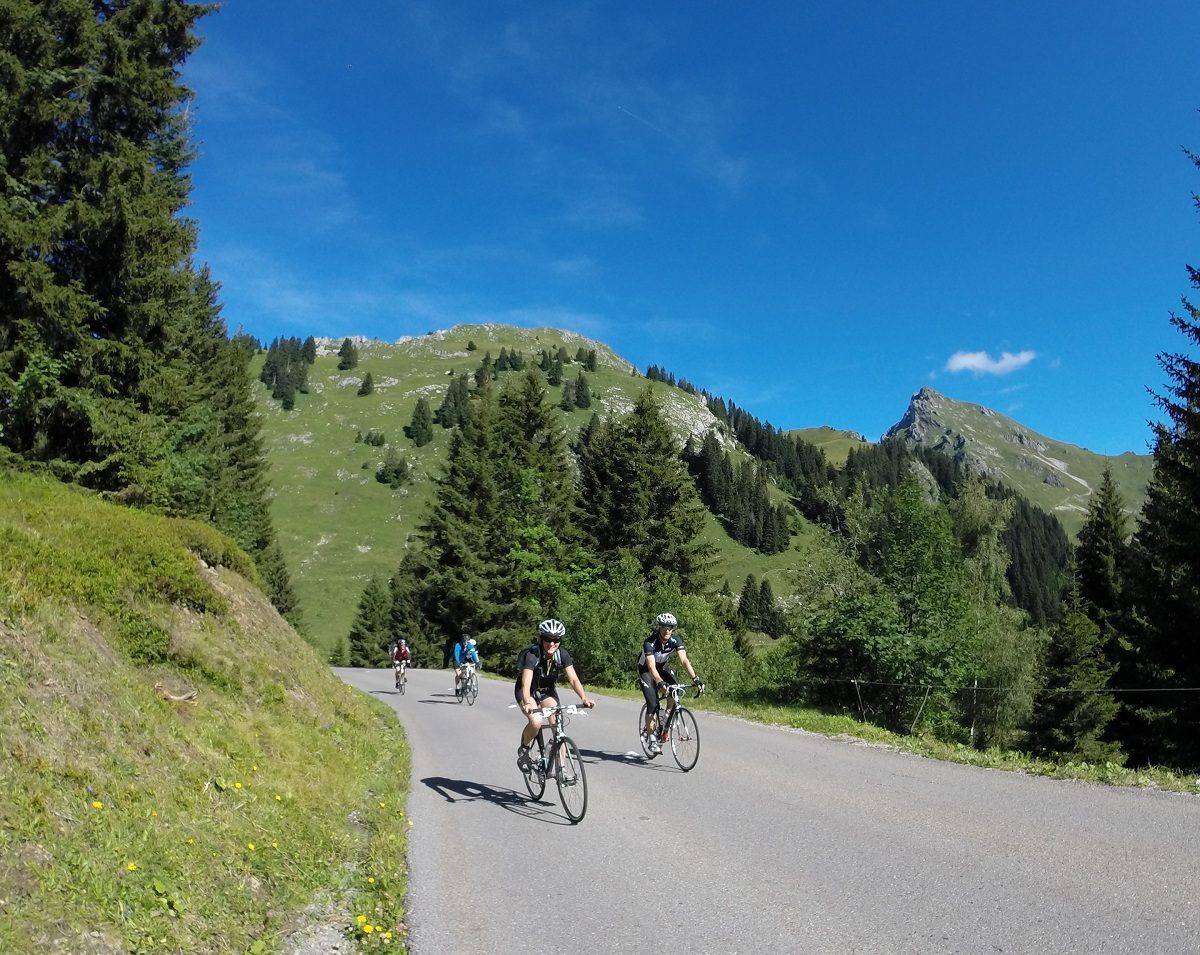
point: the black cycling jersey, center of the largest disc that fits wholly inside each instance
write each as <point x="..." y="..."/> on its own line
<point x="660" y="651"/>
<point x="545" y="670"/>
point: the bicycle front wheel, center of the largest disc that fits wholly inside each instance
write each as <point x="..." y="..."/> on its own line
<point x="569" y="774"/>
<point x="535" y="776"/>
<point x="400" y="684"/>
<point x="685" y="739"/>
<point x="472" y="690"/>
<point x="642" y="734"/>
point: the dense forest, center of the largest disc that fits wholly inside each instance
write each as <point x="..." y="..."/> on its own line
<point x="930" y="600"/>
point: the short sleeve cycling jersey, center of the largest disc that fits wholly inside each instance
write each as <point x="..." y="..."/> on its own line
<point x="660" y="651"/>
<point x="465" y="655"/>
<point x="545" y="668"/>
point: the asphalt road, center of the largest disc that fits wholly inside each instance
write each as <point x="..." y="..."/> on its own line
<point x="778" y="842"/>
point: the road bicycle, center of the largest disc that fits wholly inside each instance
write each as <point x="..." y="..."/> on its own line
<point x="672" y="724"/>
<point x="401" y="677"/>
<point x="468" y="685"/>
<point x="560" y="759"/>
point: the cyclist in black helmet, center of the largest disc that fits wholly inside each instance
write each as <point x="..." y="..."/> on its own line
<point x="654" y="669"/>
<point x="538" y="669"/>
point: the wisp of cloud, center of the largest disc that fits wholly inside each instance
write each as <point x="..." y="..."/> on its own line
<point x="982" y="363"/>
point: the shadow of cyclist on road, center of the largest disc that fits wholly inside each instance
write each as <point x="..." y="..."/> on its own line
<point x="464" y="790"/>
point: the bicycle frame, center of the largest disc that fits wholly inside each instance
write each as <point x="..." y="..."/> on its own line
<point x="559" y="760"/>
<point x="676" y="692"/>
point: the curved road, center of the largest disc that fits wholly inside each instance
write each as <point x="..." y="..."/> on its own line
<point x="779" y="841"/>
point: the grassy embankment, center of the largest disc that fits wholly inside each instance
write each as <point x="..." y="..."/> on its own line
<point x="180" y="772"/>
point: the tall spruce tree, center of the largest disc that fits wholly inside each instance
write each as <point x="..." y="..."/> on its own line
<point x="371" y="631"/>
<point x="1074" y="706"/>
<point x="1166" y="653"/>
<point x="115" y="366"/>
<point x="638" y="498"/>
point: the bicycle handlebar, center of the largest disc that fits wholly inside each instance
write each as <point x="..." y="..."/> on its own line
<point x="677" y="690"/>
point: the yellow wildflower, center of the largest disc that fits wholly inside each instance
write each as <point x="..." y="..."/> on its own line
<point x="367" y="930"/>
<point x="237" y="785"/>
<point x="250" y="846"/>
<point x="370" y="880"/>
<point x="361" y="919"/>
<point x="132" y="866"/>
<point x="97" y="804"/>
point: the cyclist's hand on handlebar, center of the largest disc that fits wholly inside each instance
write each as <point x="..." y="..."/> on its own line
<point x="587" y="704"/>
<point x="699" y="685"/>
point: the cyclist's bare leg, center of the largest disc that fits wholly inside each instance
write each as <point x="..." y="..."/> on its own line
<point x="535" y="720"/>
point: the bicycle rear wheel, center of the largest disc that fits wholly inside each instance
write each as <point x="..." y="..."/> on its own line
<point x="685" y="739"/>
<point x="572" y="782"/>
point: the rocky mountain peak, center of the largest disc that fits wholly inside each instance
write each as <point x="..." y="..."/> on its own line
<point x="921" y="422"/>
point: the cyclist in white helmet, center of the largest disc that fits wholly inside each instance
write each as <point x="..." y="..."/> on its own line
<point x="654" y="669"/>
<point x="464" y="653"/>
<point x="538" y="669"/>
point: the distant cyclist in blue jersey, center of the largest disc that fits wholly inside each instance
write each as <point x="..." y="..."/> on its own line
<point x="654" y="670"/>
<point x="464" y="653"/>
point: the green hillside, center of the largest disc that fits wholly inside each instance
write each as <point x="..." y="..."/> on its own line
<point x="160" y="724"/>
<point x="1057" y="476"/>
<point x="836" y="444"/>
<point x="338" y="525"/>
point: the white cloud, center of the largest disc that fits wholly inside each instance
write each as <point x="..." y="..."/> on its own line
<point x="981" y="363"/>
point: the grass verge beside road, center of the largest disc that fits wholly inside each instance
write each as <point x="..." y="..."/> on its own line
<point x="180" y="772"/>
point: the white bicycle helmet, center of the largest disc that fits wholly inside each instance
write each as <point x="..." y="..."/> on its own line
<point x="552" y="628"/>
<point x="666" y="620"/>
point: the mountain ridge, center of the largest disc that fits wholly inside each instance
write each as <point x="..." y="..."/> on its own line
<point x="1054" y="474"/>
<point x="339" y="526"/>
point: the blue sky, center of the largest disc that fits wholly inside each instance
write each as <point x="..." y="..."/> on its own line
<point x="812" y="210"/>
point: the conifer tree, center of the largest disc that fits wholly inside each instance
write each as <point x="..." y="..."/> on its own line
<point x="583" y="394"/>
<point x="769" y="617"/>
<point x="749" y="607"/>
<point x="420" y="429"/>
<point x="347" y="355"/>
<point x="1165" y="653"/>
<point x="367" y="386"/>
<point x="308" y="350"/>
<point x="115" y="365"/>
<point x="567" y="401"/>
<point x="453" y="410"/>
<point x="1101" y="555"/>
<point x="638" y="498"/>
<point x="370" y="633"/>
<point x="486" y="372"/>
<point x="1073" y="709"/>
<point x="394" y="471"/>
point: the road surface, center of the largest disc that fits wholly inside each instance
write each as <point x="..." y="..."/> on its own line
<point x="779" y="841"/>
